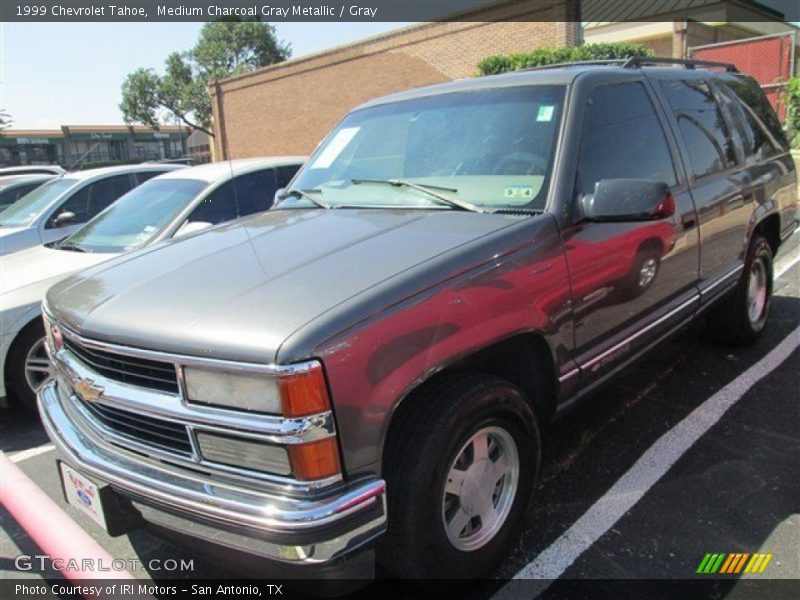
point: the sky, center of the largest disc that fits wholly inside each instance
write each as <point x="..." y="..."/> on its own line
<point x="54" y="74"/>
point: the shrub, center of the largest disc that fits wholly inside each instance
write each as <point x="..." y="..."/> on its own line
<point x="793" y="111"/>
<point x="502" y="63"/>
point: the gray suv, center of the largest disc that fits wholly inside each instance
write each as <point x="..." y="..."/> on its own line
<point x="364" y="371"/>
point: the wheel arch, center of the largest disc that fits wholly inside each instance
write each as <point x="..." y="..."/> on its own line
<point x="524" y="359"/>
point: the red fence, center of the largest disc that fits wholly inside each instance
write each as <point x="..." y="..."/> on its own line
<point x="769" y="59"/>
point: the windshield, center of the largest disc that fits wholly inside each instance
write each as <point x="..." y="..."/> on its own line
<point x="137" y="217"/>
<point x="28" y="208"/>
<point x="490" y="149"/>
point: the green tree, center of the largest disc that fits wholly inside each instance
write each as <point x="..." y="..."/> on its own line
<point x="224" y="48"/>
<point x="5" y="120"/>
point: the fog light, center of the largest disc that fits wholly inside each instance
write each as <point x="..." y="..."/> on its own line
<point x="243" y="453"/>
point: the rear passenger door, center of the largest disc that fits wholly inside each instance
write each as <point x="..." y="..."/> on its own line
<point x="719" y="181"/>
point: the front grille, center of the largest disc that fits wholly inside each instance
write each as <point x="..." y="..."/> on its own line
<point x="140" y="372"/>
<point x="158" y="433"/>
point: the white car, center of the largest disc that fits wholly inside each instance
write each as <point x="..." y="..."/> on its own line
<point x="57" y="208"/>
<point x="32" y="170"/>
<point x="176" y="203"/>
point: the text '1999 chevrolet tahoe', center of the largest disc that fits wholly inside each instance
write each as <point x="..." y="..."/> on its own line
<point x="363" y="372"/>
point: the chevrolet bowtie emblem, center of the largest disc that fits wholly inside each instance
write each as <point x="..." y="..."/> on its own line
<point x="88" y="390"/>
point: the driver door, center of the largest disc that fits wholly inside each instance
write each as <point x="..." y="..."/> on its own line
<point x="630" y="280"/>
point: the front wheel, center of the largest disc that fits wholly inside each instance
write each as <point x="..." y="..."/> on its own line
<point x="460" y="469"/>
<point x="742" y="316"/>
<point x="27" y="366"/>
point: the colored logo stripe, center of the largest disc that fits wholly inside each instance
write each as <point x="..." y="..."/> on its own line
<point x="721" y="562"/>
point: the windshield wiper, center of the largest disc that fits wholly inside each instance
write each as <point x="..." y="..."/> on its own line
<point x="72" y="246"/>
<point x="307" y="194"/>
<point x="426" y="189"/>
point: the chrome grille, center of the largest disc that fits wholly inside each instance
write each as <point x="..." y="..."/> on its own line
<point x="150" y="374"/>
<point x="159" y="433"/>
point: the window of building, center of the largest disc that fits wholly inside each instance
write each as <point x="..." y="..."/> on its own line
<point x="622" y="139"/>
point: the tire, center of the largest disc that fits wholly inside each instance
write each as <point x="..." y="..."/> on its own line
<point x="29" y="341"/>
<point x="642" y="274"/>
<point x="742" y="316"/>
<point x="427" y="447"/>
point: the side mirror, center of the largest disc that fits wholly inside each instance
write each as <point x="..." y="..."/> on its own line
<point x="191" y="227"/>
<point x="64" y="218"/>
<point x="628" y="200"/>
<point x="278" y="196"/>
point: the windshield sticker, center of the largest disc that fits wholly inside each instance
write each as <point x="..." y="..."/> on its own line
<point x="546" y="113"/>
<point x="519" y="191"/>
<point x="335" y="147"/>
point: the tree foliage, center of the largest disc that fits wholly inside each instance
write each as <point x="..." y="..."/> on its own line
<point x="5" y="120"/>
<point x="502" y="63"/>
<point x="793" y="111"/>
<point x="223" y="48"/>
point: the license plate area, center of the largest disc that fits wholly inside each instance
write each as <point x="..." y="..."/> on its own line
<point x="109" y="510"/>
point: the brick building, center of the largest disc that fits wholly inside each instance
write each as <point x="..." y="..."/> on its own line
<point x="288" y="108"/>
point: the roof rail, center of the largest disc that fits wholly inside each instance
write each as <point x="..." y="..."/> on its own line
<point x="636" y="62"/>
<point x="579" y="63"/>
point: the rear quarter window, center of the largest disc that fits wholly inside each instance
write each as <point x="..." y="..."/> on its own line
<point x="702" y="126"/>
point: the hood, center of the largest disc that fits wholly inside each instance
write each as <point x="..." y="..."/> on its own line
<point x="26" y="275"/>
<point x="239" y="290"/>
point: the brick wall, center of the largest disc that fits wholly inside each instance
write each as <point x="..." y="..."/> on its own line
<point x="288" y="108"/>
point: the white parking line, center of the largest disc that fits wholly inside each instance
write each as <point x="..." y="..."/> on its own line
<point x="551" y="563"/>
<point x="792" y="259"/>
<point x="30" y="453"/>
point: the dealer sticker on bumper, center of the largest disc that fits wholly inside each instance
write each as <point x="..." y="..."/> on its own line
<point x="83" y="494"/>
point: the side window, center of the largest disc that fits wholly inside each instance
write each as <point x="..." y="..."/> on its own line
<point x="219" y="206"/>
<point x="757" y="106"/>
<point x="622" y="139"/>
<point x="106" y="191"/>
<point x="702" y="126"/>
<point x="285" y="174"/>
<point x="78" y="204"/>
<point x="758" y="142"/>
<point x="255" y="192"/>
<point x="143" y="176"/>
<point x="93" y="198"/>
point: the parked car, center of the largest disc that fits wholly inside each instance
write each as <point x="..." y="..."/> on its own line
<point x="14" y="188"/>
<point x="365" y="370"/>
<point x="59" y="207"/>
<point x="173" y="204"/>
<point x="32" y="170"/>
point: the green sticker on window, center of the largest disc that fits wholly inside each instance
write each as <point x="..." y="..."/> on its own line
<point x="546" y="113"/>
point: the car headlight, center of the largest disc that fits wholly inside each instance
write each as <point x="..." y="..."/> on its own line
<point x="242" y="391"/>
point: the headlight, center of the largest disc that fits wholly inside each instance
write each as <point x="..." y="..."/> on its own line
<point x="232" y="390"/>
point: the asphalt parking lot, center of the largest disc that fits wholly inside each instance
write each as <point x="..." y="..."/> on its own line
<point x="694" y="450"/>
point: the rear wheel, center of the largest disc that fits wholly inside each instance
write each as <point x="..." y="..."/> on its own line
<point x="460" y="467"/>
<point x="742" y="316"/>
<point x="28" y="367"/>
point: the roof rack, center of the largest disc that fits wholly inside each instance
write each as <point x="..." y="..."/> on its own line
<point x="579" y="63"/>
<point x="636" y="62"/>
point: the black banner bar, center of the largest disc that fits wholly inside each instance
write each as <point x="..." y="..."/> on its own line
<point x="34" y="11"/>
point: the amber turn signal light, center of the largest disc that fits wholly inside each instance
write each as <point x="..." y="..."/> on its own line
<point x="315" y="460"/>
<point x="304" y="393"/>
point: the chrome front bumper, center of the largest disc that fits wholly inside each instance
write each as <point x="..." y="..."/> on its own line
<point x="316" y="529"/>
